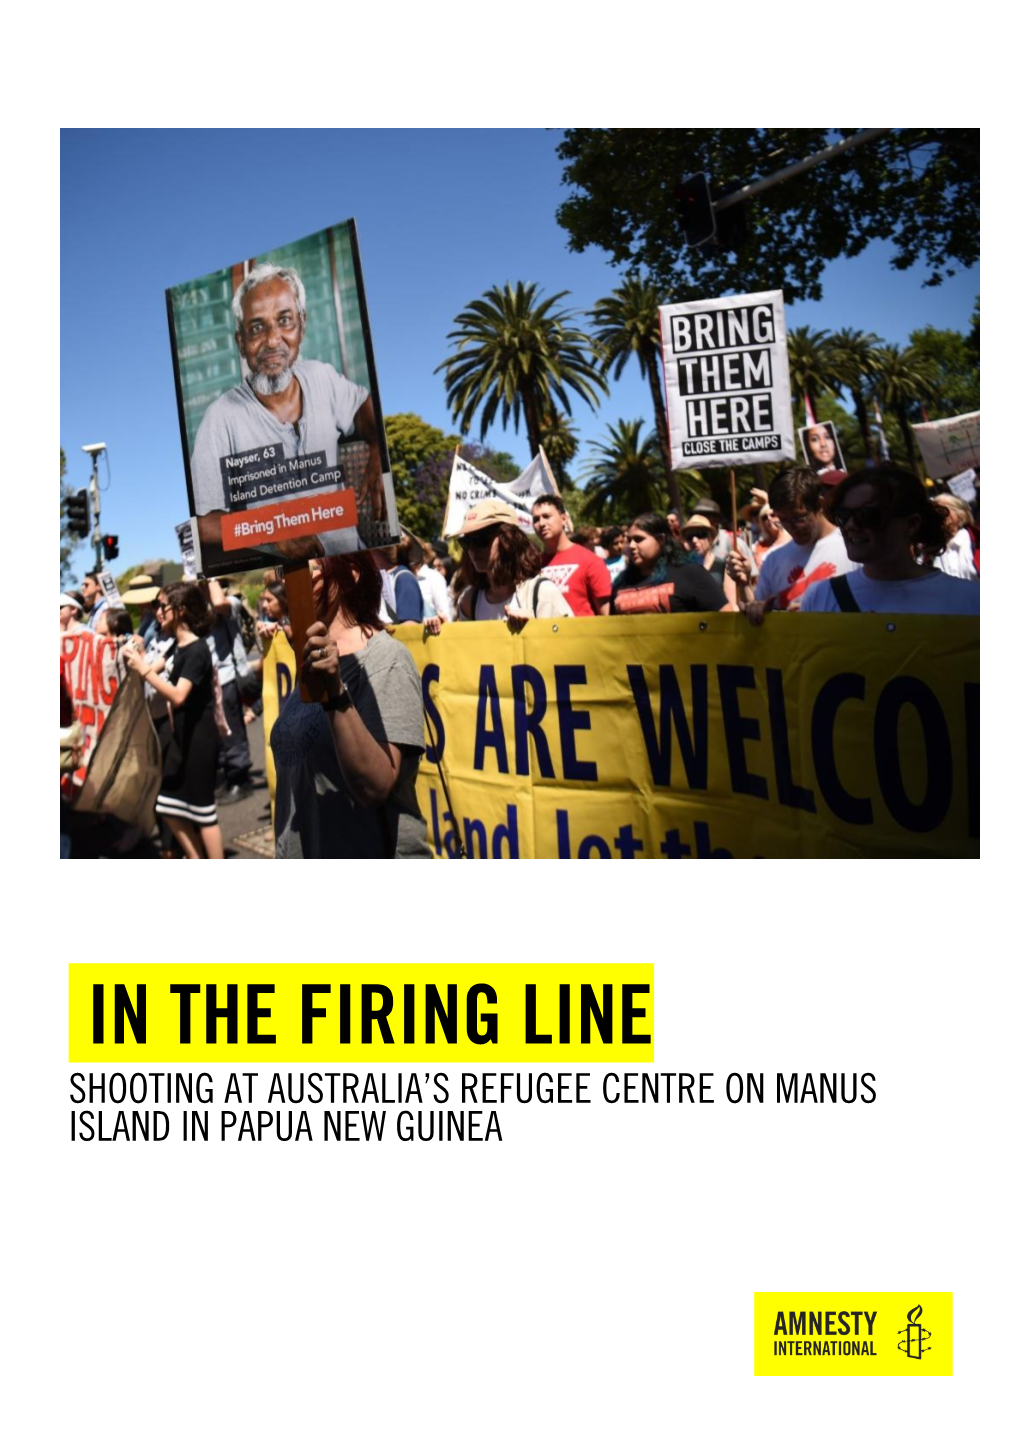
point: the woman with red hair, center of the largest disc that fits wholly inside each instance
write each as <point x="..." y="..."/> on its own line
<point x="346" y="766"/>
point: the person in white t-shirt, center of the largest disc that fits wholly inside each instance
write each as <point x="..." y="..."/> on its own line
<point x="814" y="553"/>
<point x="885" y="517"/>
<point x="958" y="557"/>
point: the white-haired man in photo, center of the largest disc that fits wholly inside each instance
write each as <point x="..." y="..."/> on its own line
<point x="303" y="406"/>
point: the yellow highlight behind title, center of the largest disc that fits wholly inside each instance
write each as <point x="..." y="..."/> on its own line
<point x="464" y="1012"/>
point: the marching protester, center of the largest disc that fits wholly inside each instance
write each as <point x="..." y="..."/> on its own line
<point x="501" y="575"/>
<point x="434" y="590"/>
<point x="708" y="510"/>
<point x="885" y="516"/>
<point x="95" y="602"/>
<point x="346" y="767"/>
<point x="959" y="557"/>
<point x="114" y="621"/>
<point x="613" y="541"/>
<point x="698" y="540"/>
<point x="273" y="612"/>
<point x="579" y="575"/>
<point x="657" y="576"/>
<point x="142" y="592"/>
<point x="814" y="553"/>
<point x="770" y="533"/>
<point x="188" y="735"/>
<point x="239" y="684"/>
<point x="70" y="613"/>
<point x="410" y="605"/>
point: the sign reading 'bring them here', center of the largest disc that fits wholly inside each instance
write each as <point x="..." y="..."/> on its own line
<point x="727" y="381"/>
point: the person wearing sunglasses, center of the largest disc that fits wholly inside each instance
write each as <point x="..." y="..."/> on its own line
<point x="500" y="576"/>
<point x="814" y="553"/>
<point x="183" y="679"/>
<point x="887" y="519"/>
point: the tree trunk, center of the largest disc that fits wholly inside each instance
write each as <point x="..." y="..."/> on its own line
<point x="908" y="439"/>
<point x="862" y="423"/>
<point x="662" y="430"/>
<point x="531" y="422"/>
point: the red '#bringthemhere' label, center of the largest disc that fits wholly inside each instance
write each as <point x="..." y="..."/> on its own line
<point x="329" y="511"/>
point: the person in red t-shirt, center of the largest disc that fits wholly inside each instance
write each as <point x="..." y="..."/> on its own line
<point x="579" y="575"/>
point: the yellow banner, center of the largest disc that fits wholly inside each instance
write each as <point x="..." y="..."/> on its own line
<point x="702" y="736"/>
<point x="278" y="666"/>
<point x="349" y="1012"/>
<point x="876" y="1335"/>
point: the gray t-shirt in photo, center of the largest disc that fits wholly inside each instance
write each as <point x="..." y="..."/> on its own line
<point x="315" y="813"/>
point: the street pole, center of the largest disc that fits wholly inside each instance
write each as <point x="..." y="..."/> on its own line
<point x="757" y="186"/>
<point x="97" y="541"/>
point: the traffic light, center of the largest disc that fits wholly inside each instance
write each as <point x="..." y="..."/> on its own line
<point x="731" y="223"/>
<point x="78" y="512"/>
<point x="694" y="201"/>
<point x="111" y="548"/>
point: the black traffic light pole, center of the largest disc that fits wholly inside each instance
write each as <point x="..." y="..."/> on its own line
<point x="698" y="210"/>
<point x="788" y="171"/>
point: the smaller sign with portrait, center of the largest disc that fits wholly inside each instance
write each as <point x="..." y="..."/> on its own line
<point x="820" y="448"/>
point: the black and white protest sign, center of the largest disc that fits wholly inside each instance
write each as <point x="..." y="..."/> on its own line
<point x="109" y="588"/>
<point x="468" y="486"/>
<point x="727" y="380"/>
<point x="186" y="538"/>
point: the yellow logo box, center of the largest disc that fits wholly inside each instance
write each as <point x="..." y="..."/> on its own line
<point x="876" y="1335"/>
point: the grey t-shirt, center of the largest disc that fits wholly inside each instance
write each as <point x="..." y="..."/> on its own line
<point x="315" y="814"/>
<point x="238" y="422"/>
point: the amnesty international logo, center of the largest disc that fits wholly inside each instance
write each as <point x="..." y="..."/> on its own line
<point x="914" y="1343"/>
<point x="856" y="1334"/>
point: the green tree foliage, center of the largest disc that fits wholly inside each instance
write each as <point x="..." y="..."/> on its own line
<point x="517" y="355"/>
<point x="624" y="476"/>
<point x="916" y="188"/>
<point x="627" y="326"/>
<point x="903" y="379"/>
<point x="559" y="442"/>
<point x="411" y="443"/>
<point x="421" y="505"/>
<point x="957" y="381"/>
<point x="813" y="366"/>
<point x="853" y="365"/>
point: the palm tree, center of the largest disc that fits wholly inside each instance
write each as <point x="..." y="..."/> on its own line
<point x="625" y="474"/>
<point x="853" y="356"/>
<point x="516" y="354"/>
<point x="901" y="378"/>
<point x="812" y="365"/>
<point x="627" y="324"/>
<point x="559" y="442"/>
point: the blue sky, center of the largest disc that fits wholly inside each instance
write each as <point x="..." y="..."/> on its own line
<point x="442" y="215"/>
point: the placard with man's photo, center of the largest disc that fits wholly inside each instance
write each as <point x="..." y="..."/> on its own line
<point x="281" y="424"/>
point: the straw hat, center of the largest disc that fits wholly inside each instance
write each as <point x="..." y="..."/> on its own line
<point x="141" y="590"/>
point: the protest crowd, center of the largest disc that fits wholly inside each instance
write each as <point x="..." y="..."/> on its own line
<point x="876" y="540"/>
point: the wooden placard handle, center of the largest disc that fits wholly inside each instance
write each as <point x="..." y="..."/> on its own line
<point x="733" y="507"/>
<point x="301" y="607"/>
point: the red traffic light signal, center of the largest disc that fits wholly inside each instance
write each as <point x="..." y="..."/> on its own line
<point x="111" y="547"/>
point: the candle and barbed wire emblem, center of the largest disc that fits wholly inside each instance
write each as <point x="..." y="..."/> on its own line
<point x="914" y="1343"/>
